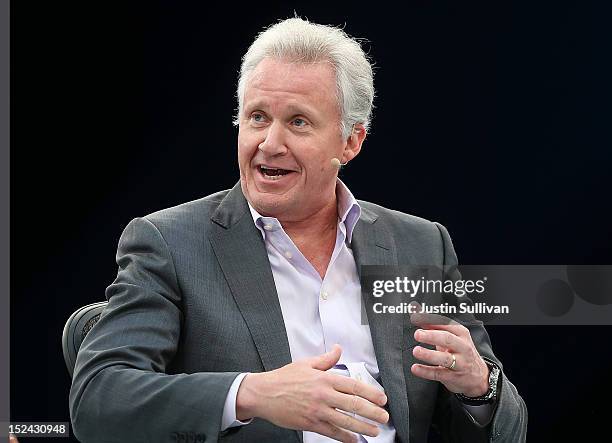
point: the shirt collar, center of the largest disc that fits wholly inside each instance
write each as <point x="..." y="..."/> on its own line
<point x="349" y="212"/>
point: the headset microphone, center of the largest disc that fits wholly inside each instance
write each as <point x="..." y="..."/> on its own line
<point x="336" y="163"/>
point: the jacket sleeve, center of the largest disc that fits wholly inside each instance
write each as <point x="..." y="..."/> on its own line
<point x="509" y="420"/>
<point x="120" y="389"/>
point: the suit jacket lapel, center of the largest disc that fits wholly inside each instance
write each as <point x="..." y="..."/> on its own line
<point x="242" y="255"/>
<point x="373" y="245"/>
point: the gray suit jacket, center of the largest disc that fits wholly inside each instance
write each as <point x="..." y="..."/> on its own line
<point x="194" y="304"/>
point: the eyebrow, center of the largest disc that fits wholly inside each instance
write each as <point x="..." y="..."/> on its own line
<point x="291" y="108"/>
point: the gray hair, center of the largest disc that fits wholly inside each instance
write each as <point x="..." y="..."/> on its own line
<point x="297" y="40"/>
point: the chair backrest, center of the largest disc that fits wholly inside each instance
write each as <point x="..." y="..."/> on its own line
<point x="78" y="325"/>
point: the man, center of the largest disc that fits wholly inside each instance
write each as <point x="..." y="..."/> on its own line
<point x="236" y="317"/>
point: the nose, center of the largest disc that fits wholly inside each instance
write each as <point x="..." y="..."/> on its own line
<point x="274" y="143"/>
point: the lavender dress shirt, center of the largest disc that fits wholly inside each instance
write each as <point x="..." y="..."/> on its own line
<point x="319" y="313"/>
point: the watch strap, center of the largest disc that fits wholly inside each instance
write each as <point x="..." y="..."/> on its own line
<point x="491" y="395"/>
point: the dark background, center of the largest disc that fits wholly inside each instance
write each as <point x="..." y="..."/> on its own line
<point x="493" y="119"/>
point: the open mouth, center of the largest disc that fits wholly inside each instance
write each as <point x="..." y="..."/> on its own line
<point x="272" y="173"/>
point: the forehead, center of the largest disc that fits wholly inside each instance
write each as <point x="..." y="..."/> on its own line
<point x="278" y="82"/>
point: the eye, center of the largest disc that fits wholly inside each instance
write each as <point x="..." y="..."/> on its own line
<point x="300" y="122"/>
<point x="258" y="117"/>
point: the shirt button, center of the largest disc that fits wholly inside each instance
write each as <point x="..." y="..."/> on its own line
<point x="289" y="255"/>
<point x="268" y="227"/>
<point x="358" y="377"/>
<point x="324" y="295"/>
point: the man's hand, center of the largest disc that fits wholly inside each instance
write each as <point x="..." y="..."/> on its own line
<point x="470" y="375"/>
<point x="302" y="396"/>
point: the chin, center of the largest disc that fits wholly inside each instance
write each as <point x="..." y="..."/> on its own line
<point x="269" y="205"/>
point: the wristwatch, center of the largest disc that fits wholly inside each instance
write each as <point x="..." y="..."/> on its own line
<point x="491" y="395"/>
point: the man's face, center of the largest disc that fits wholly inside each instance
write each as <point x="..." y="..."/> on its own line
<point x="290" y="111"/>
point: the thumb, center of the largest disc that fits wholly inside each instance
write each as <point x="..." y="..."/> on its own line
<point x="326" y="361"/>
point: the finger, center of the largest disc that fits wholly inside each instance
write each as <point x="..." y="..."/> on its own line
<point x="444" y="339"/>
<point x="360" y="406"/>
<point x="434" y="373"/>
<point x="345" y="421"/>
<point x="453" y="327"/>
<point x="433" y="357"/>
<point x="334" y="432"/>
<point x="325" y="361"/>
<point x="354" y="387"/>
<point x="425" y="319"/>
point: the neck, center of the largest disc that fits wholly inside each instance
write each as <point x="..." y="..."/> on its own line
<point x="321" y="221"/>
<point x="315" y="236"/>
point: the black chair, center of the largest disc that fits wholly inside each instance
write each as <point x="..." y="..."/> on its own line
<point x="77" y="327"/>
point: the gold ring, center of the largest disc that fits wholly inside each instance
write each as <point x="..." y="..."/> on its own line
<point x="454" y="363"/>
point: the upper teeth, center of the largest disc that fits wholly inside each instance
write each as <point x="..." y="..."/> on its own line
<point x="272" y="172"/>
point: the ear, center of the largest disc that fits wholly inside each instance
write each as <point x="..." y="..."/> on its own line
<point x="353" y="143"/>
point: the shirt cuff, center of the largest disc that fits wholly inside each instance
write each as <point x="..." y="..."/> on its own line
<point x="229" y="419"/>
<point x="481" y="413"/>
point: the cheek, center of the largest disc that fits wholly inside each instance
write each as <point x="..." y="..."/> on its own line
<point x="246" y="150"/>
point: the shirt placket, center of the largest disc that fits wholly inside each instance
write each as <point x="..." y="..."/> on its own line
<point x="330" y="300"/>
